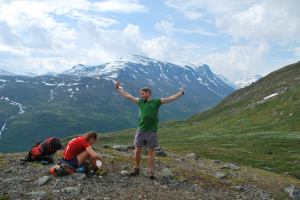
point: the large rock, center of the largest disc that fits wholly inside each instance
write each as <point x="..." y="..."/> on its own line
<point x="293" y="192"/>
<point x="43" y="180"/>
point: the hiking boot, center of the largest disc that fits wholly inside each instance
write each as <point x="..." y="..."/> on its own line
<point x="135" y="172"/>
<point x="151" y="175"/>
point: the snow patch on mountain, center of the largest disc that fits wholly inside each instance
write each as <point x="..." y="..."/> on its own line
<point x="11" y="102"/>
<point x="2" y="129"/>
<point x="5" y="73"/>
<point x="270" y="96"/>
<point x="49" y="84"/>
<point x="247" y="81"/>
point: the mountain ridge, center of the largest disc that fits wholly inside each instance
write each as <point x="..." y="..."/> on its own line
<point x="69" y="103"/>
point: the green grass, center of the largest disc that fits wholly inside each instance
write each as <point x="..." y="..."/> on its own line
<point x="243" y="128"/>
<point x="276" y="151"/>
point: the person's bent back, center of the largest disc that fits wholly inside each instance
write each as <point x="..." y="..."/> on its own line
<point x="79" y="150"/>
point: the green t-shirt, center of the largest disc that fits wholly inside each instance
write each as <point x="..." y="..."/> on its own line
<point x="148" y="114"/>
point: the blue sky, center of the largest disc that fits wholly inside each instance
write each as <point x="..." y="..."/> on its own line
<point x="235" y="38"/>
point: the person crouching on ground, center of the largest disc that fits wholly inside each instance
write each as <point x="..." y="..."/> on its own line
<point x="79" y="150"/>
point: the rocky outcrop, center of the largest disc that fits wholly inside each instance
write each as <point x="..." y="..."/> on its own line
<point x="177" y="177"/>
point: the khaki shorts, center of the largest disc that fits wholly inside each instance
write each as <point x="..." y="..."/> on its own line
<point x="144" y="138"/>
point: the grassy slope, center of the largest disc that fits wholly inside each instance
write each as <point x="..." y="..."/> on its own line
<point x="241" y="129"/>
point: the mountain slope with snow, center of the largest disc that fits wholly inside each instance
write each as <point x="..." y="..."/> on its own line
<point x="5" y="73"/>
<point x="247" y="81"/>
<point x="83" y="98"/>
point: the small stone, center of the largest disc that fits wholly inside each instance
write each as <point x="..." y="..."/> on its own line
<point x="8" y="170"/>
<point x="231" y="166"/>
<point x="192" y="156"/>
<point x="79" y="176"/>
<point x="125" y="173"/>
<point x="43" y="180"/>
<point x="15" y="179"/>
<point x="131" y="147"/>
<point x="160" y="152"/>
<point x="267" y="168"/>
<point x="167" y="173"/>
<point x="293" y="192"/>
<point x="217" y="161"/>
<point x="37" y="195"/>
<point x="219" y="175"/>
<point x="71" y="190"/>
<point x="106" y="198"/>
<point x="238" y="187"/>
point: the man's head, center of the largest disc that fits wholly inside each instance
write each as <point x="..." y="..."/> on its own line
<point x="91" y="137"/>
<point x="145" y="93"/>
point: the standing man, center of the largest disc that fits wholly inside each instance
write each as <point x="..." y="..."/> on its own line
<point x="146" y="134"/>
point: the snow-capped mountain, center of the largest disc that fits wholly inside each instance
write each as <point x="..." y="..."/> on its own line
<point x="5" y="73"/>
<point x="83" y="98"/>
<point x="247" y="81"/>
<point x="151" y="71"/>
<point x="28" y="74"/>
<point x="228" y="82"/>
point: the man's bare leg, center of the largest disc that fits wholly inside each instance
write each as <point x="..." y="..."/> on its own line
<point x="137" y="161"/>
<point x="151" y="161"/>
<point x="82" y="157"/>
<point x="137" y="157"/>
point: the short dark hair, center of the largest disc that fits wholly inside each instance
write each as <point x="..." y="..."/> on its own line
<point x="146" y="89"/>
<point x="91" y="134"/>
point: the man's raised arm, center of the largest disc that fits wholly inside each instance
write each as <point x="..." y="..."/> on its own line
<point x="125" y="94"/>
<point x="173" y="97"/>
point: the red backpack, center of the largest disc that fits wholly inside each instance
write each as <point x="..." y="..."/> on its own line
<point x="43" y="150"/>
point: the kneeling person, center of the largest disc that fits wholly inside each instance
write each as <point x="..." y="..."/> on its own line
<point x="79" y="150"/>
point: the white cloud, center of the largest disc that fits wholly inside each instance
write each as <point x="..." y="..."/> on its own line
<point x="125" y="6"/>
<point x="42" y="36"/>
<point x="239" y="60"/>
<point x="199" y="9"/>
<point x="167" y="27"/>
<point x="268" y="19"/>
<point x="45" y="36"/>
<point x="255" y="28"/>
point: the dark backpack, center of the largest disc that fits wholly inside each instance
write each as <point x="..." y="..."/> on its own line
<point x="43" y="151"/>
